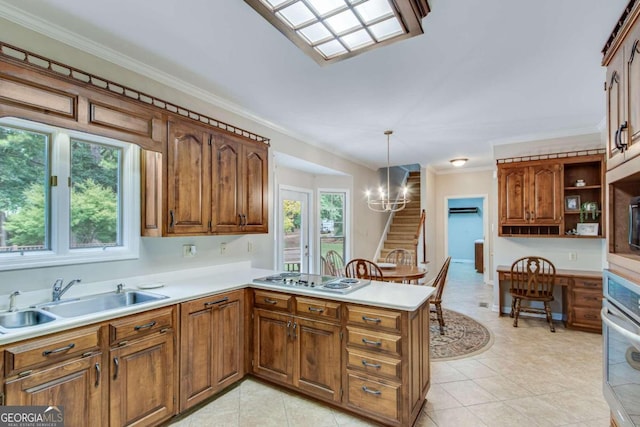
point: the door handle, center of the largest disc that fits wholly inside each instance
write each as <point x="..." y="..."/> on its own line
<point x="116" y="366"/>
<point x="98" y="374"/>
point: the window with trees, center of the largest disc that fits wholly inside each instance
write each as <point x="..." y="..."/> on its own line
<point x="65" y="197"/>
<point x="332" y="222"/>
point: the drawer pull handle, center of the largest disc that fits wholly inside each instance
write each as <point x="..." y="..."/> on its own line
<point x="590" y="316"/>
<point x="368" y="390"/>
<point x="371" y="319"/>
<point x="316" y="309"/>
<point x="145" y="326"/>
<point x="590" y="284"/>
<point x="370" y="365"/>
<point x="270" y="301"/>
<point x="98" y="374"/>
<point x="116" y="365"/>
<point x="209" y="304"/>
<point x="58" y="350"/>
<point x="366" y="341"/>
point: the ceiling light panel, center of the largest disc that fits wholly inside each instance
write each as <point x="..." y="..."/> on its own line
<point x="330" y="30"/>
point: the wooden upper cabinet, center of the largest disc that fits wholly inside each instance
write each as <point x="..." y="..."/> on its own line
<point x="545" y="204"/>
<point x="632" y="93"/>
<point x="189" y="178"/>
<point x="530" y="194"/>
<point x="616" y="114"/>
<point x="239" y="185"/>
<point x="255" y="186"/>
<point x="513" y="189"/>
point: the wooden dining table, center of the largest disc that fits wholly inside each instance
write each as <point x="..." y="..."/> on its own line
<point x="403" y="273"/>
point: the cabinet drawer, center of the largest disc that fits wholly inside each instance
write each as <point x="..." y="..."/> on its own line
<point x="374" y="340"/>
<point x="374" y="364"/>
<point x="139" y="325"/>
<point x="586" y="316"/>
<point x="587" y="298"/>
<point x="51" y="349"/>
<point x="374" y="317"/>
<point x="272" y="300"/>
<point x="373" y="396"/>
<point x="326" y="310"/>
<point x="595" y="284"/>
<point x="562" y="281"/>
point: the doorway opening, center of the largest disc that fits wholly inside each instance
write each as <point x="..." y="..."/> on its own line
<point x="294" y="230"/>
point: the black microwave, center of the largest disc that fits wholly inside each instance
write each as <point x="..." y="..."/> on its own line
<point x="634" y="223"/>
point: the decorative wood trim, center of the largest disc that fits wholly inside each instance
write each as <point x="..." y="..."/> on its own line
<point x="561" y="155"/>
<point x="622" y="27"/>
<point x="9" y="53"/>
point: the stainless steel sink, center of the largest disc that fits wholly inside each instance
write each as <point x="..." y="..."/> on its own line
<point x="21" y="319"/>
<point x="100" y="302"/>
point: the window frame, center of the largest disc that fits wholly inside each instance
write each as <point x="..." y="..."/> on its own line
<point x="59" y="208"/>
<point x="346" y="222"/>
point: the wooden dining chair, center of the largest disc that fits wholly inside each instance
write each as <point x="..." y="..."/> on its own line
<point x="363" y="269"/>
<point x="400" y="256"/>
<point x="532" y="279"/>
<point x="436" y="298"/>
<point x="335" y="263"/>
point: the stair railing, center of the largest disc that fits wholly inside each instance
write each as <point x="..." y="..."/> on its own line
<point x="420" y="232"/>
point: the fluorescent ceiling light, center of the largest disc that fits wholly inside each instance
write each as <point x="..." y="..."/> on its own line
<point x="332" y="30"/>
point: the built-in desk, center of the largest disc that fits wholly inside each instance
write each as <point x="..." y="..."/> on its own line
<point x="581" y="296"/>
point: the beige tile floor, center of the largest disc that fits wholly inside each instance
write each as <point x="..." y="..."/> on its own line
<point x="529" y="377"/>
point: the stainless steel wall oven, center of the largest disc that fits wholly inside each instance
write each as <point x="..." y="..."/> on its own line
<point x="621" y="334"/>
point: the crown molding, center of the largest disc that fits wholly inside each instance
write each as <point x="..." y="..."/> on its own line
<point x="60" y="34"/>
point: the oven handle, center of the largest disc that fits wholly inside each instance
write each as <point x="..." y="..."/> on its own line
<point x="634" y="338"/>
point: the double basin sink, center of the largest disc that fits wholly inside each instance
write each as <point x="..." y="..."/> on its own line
<point x="48" y="312"/>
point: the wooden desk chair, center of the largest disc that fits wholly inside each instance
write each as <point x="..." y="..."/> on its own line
<point x="532" y="279"/>
<point x="335" y="263"/>
<point x="363" y="269"/>
<point x="400" y="256"/>
<point x="436" y="298"/>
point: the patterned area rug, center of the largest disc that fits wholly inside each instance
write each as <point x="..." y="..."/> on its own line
<point x="463" y="336"/>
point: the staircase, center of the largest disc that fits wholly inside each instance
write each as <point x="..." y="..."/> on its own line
<point x="405" y="223"/>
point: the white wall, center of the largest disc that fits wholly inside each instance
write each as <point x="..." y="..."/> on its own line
<point x="164" y="254"/>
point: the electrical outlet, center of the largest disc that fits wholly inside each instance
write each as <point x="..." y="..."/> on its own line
<point x="223" y="248"/>
<point x="189" y="251"/>
<point x="573" y="256"/>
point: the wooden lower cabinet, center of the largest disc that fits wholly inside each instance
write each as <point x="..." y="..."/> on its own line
<point x="299" y="352"/>
<point x="143" y="381"/>
<point x="211" y="346"/>
<point x="77" y="385"/>
<point x="368" y="360"/>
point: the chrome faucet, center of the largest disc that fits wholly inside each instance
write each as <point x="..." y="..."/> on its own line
<point x="58" y="290"/>
<point x="12" y="301"/>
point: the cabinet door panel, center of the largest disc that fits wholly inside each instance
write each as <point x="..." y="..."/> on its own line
<point x="151" y="193"/>
<point x="142" y="381"/>
<point x="615" y="106"/>
<point x="255" y="188"/>
<point x="319" y="359"/>
<point x="513" y="195"/>
<point x="226" y="184"/>
<point x="229" y="343"/>
<point x="545" y="205"/>
<point x="273" y="349"/>
<point x="188" y="179"/>
<point x="77" y="385"/>
<point x="197" y="337"/>
<point x="632" y="93"/>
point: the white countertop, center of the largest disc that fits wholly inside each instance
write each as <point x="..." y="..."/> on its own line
<point x="184" y="285"/>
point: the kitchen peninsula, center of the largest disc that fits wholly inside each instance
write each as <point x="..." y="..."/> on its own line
<point x="366" y="352"/>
